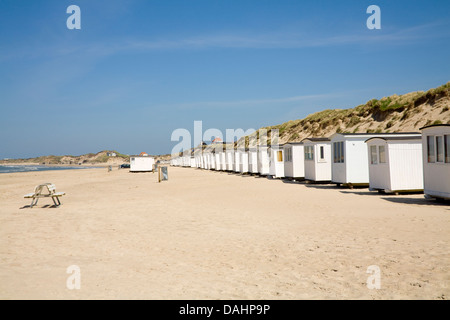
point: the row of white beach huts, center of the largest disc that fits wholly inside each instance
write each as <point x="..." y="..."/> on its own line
<point x="389" y="162"/>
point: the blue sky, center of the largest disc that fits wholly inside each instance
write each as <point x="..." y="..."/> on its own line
<point x="137" y="70"/>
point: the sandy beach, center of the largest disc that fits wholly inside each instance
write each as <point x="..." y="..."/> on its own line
<point x="214" y="235"/>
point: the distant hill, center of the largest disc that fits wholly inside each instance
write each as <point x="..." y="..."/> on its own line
<point x="105" y="157"/>
<point x="102" y="157"/>
<point x="396" y="113"/>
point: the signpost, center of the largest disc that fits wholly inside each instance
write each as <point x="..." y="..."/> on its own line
<point x="163" y="174"/>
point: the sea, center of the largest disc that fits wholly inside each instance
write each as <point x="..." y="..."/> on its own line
<point x="27" y="168"/>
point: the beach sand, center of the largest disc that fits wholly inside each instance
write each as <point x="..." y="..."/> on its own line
<point x="213" y="235"/>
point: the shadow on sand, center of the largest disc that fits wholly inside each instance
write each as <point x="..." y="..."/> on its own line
<point x="361" y="193"/>
<point x="44" y="206"/>
<point x="419" y="201"/>
<point x="293" y="181"/>
<point x="320" y="185"/>
<point x="260" y="177"/>
<point x="377" y="193"/>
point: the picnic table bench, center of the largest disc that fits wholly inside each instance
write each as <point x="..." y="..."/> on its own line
<point x="45" y="190"/>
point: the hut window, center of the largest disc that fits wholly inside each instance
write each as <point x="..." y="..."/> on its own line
<point x="280" y="156"/>
<point x="309" y="153"/>
<point x="447" y="148"/>
<point x="382" y="154"/>
<point x="338" y="152"/>
<point x="373" y="155"/>
<point x="322" y="153"/>
<point x="288" y="154"/>
<point x="439" y="149"/>
<point x="430" y="149"/>
<point x="335" y="152"/>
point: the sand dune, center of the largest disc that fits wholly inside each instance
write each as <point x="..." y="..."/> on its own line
<point x="212" y="235"/>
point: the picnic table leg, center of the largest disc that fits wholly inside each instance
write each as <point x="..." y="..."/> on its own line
<point x="34" y="202"/>
<point x="56" y="204"/>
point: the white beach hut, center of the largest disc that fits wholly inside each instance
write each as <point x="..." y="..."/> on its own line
<point x="222" y="160"/>
<point x="237" y="160"/>
<point x="141" y="163"/>
<point x="217" y="159"/>
<point x="187" y="159"/>
<point x="181" y="160"/>
<point x="276" y="161"/>
<point x="220" y="157"/>
<point x="198" y="157"/>
<point x="294" y="160"/>
<point x="202" y="160"/>
<point x="243" y="160"/>
<point x="209" y="158"/>
<point x="197" y="161"/>
<point x="218" y="148"/>
<point x="205" y="160"/>
<point x="212" y="159"/>
<point x="229" y="153"/>
<point x="206" y="163"/>
<point x="395" y="163"/>
<point x="349" y="156"/>
<point x="252" y="160"/>
<point x="263" y="160"/>
<point x="436" y="160"/>
<point x="317" y="159"/>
